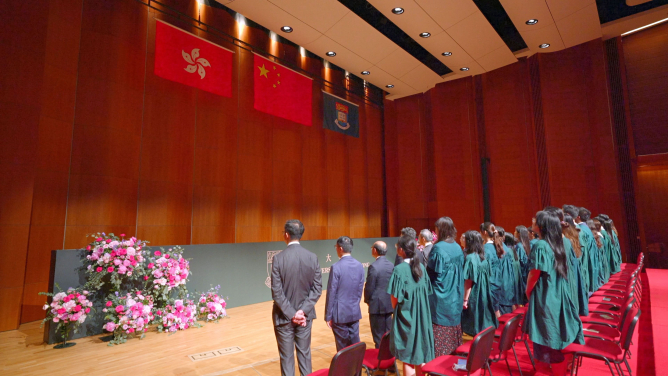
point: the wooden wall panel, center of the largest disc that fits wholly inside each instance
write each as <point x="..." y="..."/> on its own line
<point x="391" y="168"/>
<point x="374" y="163"/>
<point x="652" y="188"/>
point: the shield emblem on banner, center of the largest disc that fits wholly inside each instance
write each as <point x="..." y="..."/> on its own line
<point x="342" y="116"/>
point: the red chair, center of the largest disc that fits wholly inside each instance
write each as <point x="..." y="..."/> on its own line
<point x="500" y="349"/>
<point x="609" y="352"/>
<point x="478" y="357"/>
<point x="380" y="359"/>
<point x="605" y="332"/>
<point x="347" y="362"/>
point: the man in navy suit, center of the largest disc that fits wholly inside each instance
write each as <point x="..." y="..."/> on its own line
<point x="344" y="292"/>
<point x="375" y="292"/>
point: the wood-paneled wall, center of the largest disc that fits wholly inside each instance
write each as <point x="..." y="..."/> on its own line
<point x="93" y="141"/>
<point x="581" y="160"/>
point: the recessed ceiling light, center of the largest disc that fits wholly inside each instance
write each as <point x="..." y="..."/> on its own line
<point x="331" y="53"/>
<point x="366" y="73"/>
<point x="397" y="10"/>
<point x="532" y="21"/>
<point x="286" y="29"/>
<point x="544" y="45"/>
<point x="464" y="69"/>
<point x="425" y="35"/>
<point x="389" y="86"/>
<point x="447" y="53"/>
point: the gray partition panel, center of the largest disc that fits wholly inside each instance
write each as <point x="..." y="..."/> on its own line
<point x="241" y="269"/>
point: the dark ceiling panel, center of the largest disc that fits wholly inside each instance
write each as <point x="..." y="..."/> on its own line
<point x="375" y="18"/>
<point x="611" y="10"/>
<point x="498" y="18"/>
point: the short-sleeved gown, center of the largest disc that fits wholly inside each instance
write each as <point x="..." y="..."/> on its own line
<point x="480" y="312"/>
<point x="507" y="292"/>
<point x="604" y="253"/>
<point x="575" y="279"/>
<point x="584" y="257"/>
<point x="494" y="281"/>
<point x="445" y="270"/>
<point x="524" y="270"/>
<point x="552" y="317"/>
<point x="517" y="269"/>
<point x="593" y="264"/>
<point x="412" y="336"/>
<point x="615" y="255"/>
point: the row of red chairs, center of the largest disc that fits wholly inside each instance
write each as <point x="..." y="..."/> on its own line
<point x="609" y="328"/>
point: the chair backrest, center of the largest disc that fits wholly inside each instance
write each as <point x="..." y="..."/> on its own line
<point x="509" y="333"/>
<point x="348" y="361"/>
<point x="629" y="328"/>
<point x="628" y="306"/>
<point x="480" y="350"/>
<point x="384" y="349"/>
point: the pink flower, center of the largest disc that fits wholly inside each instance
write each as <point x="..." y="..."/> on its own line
<point x="122" y="235"/>
<point x="108" y="241"/>
<point x="158" y="253"/>
<point x="98" y="239"/>
<point x="150" y="265"/>
<point x="120" y="309"/>
<point x="61" y="311"/>
<point x="110" y="269"/>
<point x="110" y="326"/>
<point x="109" y="303"/>
<point x="159" y="312"/>
<point x="88" y="248"/>
<point x="87" y="310"/>
<point x="99" y="269"/>
<point x="145" y="278"/>
<point x="166" y="255"/>
<point x="77" y="308"/>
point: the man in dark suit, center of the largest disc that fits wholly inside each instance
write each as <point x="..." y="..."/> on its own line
<point x="295" y="287"/>
<point x="425" y="240"/>
<point x="344" y="292"/>
<point x="406" y="231"/>
<point x="375" y="292"/>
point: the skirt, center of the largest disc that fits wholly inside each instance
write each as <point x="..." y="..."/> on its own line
<point x="446" y="339"/>
<point x="547" y="355"/>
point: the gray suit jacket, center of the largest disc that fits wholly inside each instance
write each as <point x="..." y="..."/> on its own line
<point x="295" y="284"/>
<point x="375" y="289"/>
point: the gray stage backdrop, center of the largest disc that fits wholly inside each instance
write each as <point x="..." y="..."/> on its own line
<point x="241" y="269"/>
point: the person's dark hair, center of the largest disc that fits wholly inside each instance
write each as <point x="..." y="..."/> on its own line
<point x="510" y="241"/>
<point x="550" y="228"/>
<point x="584" y="214"/>
<point x="571" y="232"/>
<point x="571" y="210"/>
<point x="594" y="230"/>
<point x="408" y="245"/>
<point x="446" y="228"/>
<point x="473" y="241"/>
<point x="523" y="232"/>
<point x="606" y="222"/>
<point x="294" y="228"/>
<point x="345" y="243"/>
<point x="487" y="228"/>
<point x="380" y="249"/>
<point x="499" y="236"/>
<point x="597" y="224"/>
<point x="409" y="231"/>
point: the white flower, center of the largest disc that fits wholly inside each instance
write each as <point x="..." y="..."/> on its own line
<point x="46" y="306"/>
<point x="131" y="251"/>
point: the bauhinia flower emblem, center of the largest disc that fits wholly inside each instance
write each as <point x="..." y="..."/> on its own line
<point x="195" y="62"/>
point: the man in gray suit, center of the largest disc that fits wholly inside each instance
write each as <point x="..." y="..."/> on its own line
<point x="375" y="292"/>
<point x="425" y="240"/>
<point x="296" y="287"/>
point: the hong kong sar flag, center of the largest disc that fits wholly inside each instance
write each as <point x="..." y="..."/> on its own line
<point x="191" y="60"/>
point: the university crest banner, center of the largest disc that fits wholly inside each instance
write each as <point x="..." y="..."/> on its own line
<point x="340" y="115"/>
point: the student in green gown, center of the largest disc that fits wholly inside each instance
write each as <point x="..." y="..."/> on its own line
<point x="604" y="253"/>
<point x="478" y="311"/>
<point x="512" y="248"/>
<point x="412" y="336"/>
<point x="598" y="243"/>
<point x="615" y="253"/>
<point x="507" y="275"/>
<point x="589" y="243"/>
<point x="445" y="269"/>
<point x="551" y="321"/>
<point x="583" y="255"/>
<point x="615" y="239"/>
<point x="577" y="278"/>
<point x="523" y="248"/>
<point x="493" y="254"/>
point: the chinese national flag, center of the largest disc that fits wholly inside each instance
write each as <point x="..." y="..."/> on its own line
<point x="191" y="60"/>
<point x="282" y="92"/>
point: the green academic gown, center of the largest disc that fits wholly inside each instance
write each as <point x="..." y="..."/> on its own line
<point x="616" y="255"/>
<point x="494" y="281"/>
<point x="581" y="297"/>
<point x="525" y="265"/>
<point x="604" y="253"/>
<point x="445" y="269"/>
<point x="480" y="312"/>
<point x="507" y="278"/>
<point x="584" y="258"/>
<point x="412" y="334"/>
<point x="592" y="264"/>
<point x="552" y="317"/>
<point x="517" y="269"/>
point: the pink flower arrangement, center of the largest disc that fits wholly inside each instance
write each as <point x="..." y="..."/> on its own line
<point x="178" y="315"/>
<point x="167" y="270"/>
<point x="128" y="315"/>
<point x="211" y="306"/>
<point x="120" y="258"/>
<point x="67" y="309"/>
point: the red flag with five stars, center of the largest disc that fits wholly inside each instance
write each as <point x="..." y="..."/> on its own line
<point x="282" y="92"/>
<point x="191" y="60"/>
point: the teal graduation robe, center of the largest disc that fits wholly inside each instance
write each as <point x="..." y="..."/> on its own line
<point x="445" y="269"/>
<point x="480" y="312"/>
<point x="494" y="282"/>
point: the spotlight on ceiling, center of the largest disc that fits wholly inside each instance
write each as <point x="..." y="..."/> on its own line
<point x="464" y="69"/>
<point x="532" y="21"/>
<point x="447" y="53"/>
<point x="366" y="73"/>
<point x="397" y="10"/>
<point x="425" y="35"/>
<point x="331" y="53"/>
<point x="286" y="29"/>
<point x="389" y="86"/>
<point x="544" y="45"/>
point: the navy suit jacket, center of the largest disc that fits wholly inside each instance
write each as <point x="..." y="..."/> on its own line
<point x="375" y="289"/>
<point x="344" y="291"/>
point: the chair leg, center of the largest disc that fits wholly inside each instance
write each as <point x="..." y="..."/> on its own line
<point x="619" y="369"/>
<point x="574" y="365"/>
<point x="609" y="366"/>
<point x="368" y="373"/>
<point x="526" y="343"/>
<point x="508" y="365"/>
<point x="489" y="369"/>
<point x="517" y="360"/>
<point x="628" y="367"/>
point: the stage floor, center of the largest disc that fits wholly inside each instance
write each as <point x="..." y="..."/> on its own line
<point x="22" y="351"/>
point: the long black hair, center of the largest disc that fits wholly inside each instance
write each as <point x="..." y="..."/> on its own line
<point x="606" y="222"/>
<point x="446" y="228"/>
<point x="571" y="232"/>
<point x="408" y="245"/>
<point x="549" y="224"/>
<point x="499" y="239"/>
<point x="510" y="241"/>
<point x="489" y="229"/>
<point x="473" y="241"/>
<point x="594" y="230"/>
<point x="523" y="233"/>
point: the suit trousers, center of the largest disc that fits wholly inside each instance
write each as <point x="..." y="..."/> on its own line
<point x="290" y="336"/>
<point x="346" y="334"/>
<point x="380" y="324"/>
